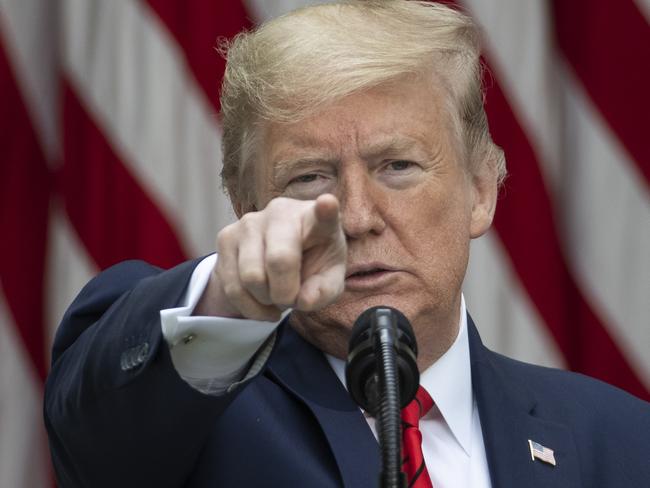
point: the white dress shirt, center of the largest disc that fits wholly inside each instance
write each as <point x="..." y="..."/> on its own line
<point x="213" y="354"/>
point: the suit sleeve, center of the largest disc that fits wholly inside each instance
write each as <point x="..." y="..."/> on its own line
<point x="116" y="410"/>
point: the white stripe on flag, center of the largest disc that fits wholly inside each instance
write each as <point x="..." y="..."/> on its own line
<point x="151" y="110"/>
<point x="69" y="268"/>
<point x="24" y="459"/>
<point x="31" y="40"/>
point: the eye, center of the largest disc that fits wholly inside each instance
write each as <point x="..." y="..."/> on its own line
<point x="309" y="185"/>
<point x="400" y="165"/>
<point x="307" y="178"/>
<point x="400" y="173"/>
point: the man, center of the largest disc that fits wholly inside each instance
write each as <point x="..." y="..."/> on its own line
<point x="358" y="159"/>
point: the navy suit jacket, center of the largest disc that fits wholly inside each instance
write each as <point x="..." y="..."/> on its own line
<point x="118" y="414"/>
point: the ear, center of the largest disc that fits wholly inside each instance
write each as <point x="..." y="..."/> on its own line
<point x="484" y="198"/>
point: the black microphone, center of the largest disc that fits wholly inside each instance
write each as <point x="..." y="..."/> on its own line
<point x="383" y="377"/>
<point x="361" y="369"/>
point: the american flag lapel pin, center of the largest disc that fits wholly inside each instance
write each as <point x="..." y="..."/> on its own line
<point x="537" y="451"/>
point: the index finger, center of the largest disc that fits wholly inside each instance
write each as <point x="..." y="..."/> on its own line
<point x="322" y="221"/>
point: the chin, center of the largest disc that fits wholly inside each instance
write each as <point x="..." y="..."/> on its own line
<point x="345" y="311"/>
<point x="329" y="328"/>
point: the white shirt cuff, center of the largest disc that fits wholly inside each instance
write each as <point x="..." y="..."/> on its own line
<point x="211" y="353"/>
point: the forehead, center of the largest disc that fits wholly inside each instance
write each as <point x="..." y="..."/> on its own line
<point x="412" y="112"/>
<point x="386" y="106"/>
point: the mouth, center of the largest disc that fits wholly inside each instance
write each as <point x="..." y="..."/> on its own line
<point x="367" y="272"/>
<point x="368" y="276"/>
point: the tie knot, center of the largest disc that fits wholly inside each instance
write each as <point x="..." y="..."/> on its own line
<point x="418" y="407"/>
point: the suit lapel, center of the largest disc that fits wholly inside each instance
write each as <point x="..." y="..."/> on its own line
<point x="304" y="371"/>
<point x="508" y="412"/>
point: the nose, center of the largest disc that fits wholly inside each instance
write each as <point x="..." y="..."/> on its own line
<point x="360" y="203"/>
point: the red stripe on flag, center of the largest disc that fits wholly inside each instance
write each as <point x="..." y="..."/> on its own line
<point x="24" y="198"/>
<point x="113" y="215"/>
<point x="197" y="26"/>
<point x="524" y="221"/>
<point x="608" y="46"/>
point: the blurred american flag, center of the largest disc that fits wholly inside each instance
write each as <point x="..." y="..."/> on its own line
<point x="110" y="149"/>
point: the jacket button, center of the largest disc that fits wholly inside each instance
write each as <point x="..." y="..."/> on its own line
<point x="134" y="356"/>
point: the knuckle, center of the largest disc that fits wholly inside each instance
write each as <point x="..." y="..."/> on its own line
<point x="253" y="277"/>
<point x="225" y="236"/>
<point x="249" y="224"/>
<point x="248" y="219"/>
<point x="284" y="207"/>
<point x="329" y="292"/>
<point x="326" y="292"/>
<point x="278" y="203"/>
<point x="282" y="261"/>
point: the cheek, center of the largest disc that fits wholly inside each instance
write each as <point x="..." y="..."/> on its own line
<point x="431" y="215"/>
<point x="434" y="230"/>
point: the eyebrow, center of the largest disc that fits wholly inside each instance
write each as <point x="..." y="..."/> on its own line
<point x="391" y="145"/>
<point x="285" y="166"/>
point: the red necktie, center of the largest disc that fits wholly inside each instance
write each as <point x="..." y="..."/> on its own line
<point x="413" y="464"/>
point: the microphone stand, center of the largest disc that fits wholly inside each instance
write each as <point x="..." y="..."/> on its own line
<point x="382" y="376"/>
<point x="388" y="418"/>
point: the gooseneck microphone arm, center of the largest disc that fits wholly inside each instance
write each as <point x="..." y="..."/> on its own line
<point x="382" y="377"/>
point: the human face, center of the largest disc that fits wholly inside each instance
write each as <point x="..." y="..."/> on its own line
<point x="409" y="208"/>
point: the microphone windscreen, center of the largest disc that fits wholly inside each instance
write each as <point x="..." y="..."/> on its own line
<point x="361" y="369"/>
<point x="362" y="328"/>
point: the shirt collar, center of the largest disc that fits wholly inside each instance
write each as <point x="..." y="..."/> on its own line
<point x="448" y="381"/>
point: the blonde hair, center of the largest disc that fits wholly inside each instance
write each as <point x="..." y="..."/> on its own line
<point x="295" y="64"/>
